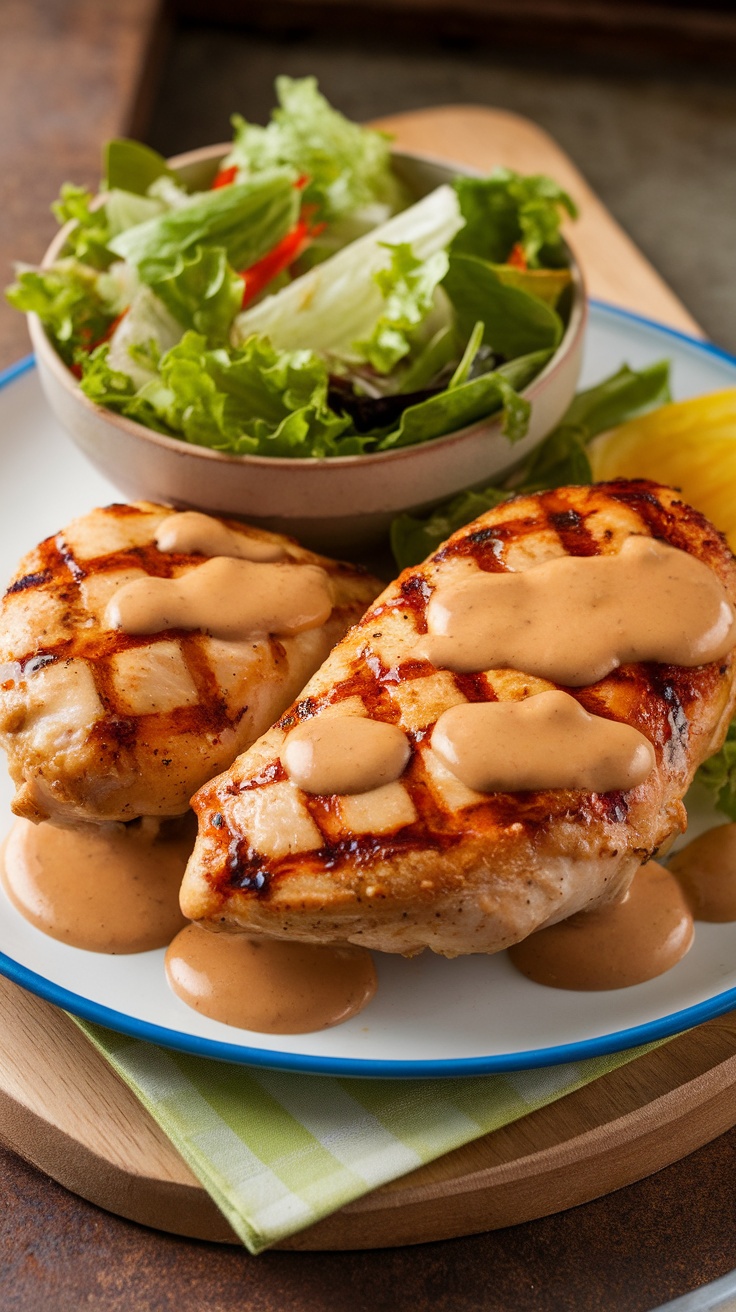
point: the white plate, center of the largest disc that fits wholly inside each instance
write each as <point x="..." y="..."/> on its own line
<point x="431" y="1017"/>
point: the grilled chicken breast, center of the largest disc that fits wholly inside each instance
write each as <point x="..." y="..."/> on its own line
<point x="449" y="868"/>
<point x="102" y="725"/>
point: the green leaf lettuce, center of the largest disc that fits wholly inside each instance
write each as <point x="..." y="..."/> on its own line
<point x="346" y="166"/>
<point x="408" y="288"/>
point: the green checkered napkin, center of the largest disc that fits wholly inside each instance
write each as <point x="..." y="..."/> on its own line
<point x="276" y="1152"/>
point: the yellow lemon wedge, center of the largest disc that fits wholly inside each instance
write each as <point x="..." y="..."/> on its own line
<point x="690" y="445"/>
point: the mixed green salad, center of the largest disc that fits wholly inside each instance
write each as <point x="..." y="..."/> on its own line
<point x="305" y="304"/>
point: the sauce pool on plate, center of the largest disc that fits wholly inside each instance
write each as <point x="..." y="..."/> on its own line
<point x="269" y="985"/>
<point x="106" y="888"/>
<point x="706" y="869"/>
<point x="636" y="938"/>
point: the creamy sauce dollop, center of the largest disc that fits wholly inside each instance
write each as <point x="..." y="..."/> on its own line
<point x="344" y="754"/>
<point x="575" y="618"/>
<point x="269" y="985"/>
<point x="228" y="599"/>
<point x="192" y="533"/>
<point x="111" y="888"/>
<point x="546" y="741"/>
<point x="627" y="942"/>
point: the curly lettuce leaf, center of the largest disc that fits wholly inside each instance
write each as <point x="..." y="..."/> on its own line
<point x="116" y="390"/>
<point x="88" y="239"/>
<point x="202" y="292"/>
<point x="515" y="323"/>
<point x="561" y="459"/>
<point x="74" y="302"/>
<point x="408" y="288"/>
<point x="126" y="210"/>
<point x="346" y="166"/>
<point x="145" y="332"/>
<point x="718" y="775"/>
<point x="507" y="210"/>
<point x="254" y="400"/>
<point x="246" y="219"/>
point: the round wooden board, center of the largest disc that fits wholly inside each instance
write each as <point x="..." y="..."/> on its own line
<point x="65" y="1110"/>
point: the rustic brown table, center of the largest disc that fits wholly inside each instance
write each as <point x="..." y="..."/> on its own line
<point x="73" y="72"/>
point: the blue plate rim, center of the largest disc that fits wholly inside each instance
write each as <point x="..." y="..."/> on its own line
<point x="617" y="1041"/>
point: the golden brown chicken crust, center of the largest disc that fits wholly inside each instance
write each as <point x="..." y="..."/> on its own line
<point x="459" y="872"/>
<point x="102" y="725"/>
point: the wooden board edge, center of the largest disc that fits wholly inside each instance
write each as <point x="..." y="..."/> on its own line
<point x="173" y="1206"/>
<point x="556" y="1179"/>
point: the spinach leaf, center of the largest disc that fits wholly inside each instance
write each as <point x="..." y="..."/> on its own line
<point x="515" y="323"/>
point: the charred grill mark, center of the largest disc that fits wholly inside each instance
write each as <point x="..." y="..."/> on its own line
<point x="146" y="557"/>
<point x="365" y="849"/>
<point x="483" y="545"/>
<point x="33" y="661"/>
<point x="569" y="525"/>
<point x="166" y="564"/>
<point x="414" y="594"/>
<point x="474" y="687"/>
<point x="30" y="581"/>
<point x="410" y="669"/>
<point x="687" y="529"/>
<point x="301" y="710"/>
<point x="123" y="730"/>
<point x="122" y="510"/>
<point x="246" y="872"/>
<point x="110" y="642"/>
<point x="613" y="806"/>
<point x="631" y="695"/>
<point x="49" y="566"/>
<point x="272" y="773"/>
<point x="211" y="698"/>
<point x="66" y="555"/>
<point x="32" y="664"/>
<point x="365" y="681"/>
<point x="322" y="808"/>
<point x="676" y="746"/>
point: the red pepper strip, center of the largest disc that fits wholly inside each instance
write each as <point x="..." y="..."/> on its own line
<point x="91" y="346"/>
<point x="225" y="177"/>
<point x="110" y="330"/>
<point x="260" y="274"/>
<point x="517" y="258"/>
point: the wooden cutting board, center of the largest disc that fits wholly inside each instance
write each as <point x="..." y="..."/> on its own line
<point x="63" y="1109"/>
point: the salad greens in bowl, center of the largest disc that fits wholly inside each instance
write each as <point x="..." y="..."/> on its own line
<point x="305" y="327"/>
